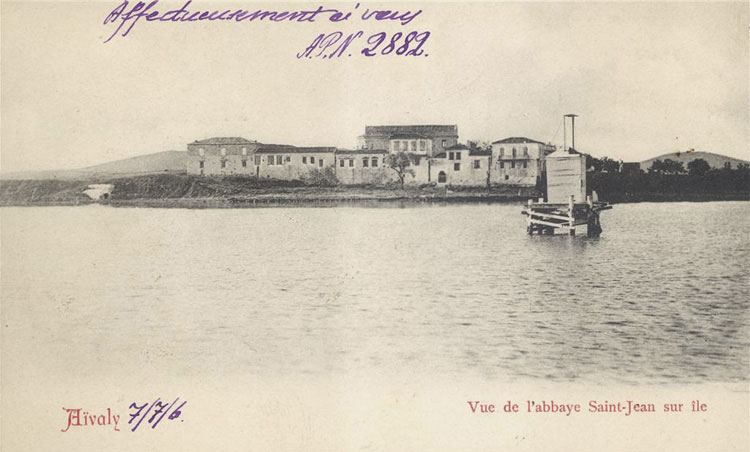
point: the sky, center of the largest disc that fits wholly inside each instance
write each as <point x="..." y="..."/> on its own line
<point x="644" y="78"/>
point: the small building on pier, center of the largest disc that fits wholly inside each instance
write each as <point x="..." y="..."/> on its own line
<point x="566" y="176"/>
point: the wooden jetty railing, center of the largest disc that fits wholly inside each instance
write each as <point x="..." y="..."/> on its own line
<point x="546" y="218"/>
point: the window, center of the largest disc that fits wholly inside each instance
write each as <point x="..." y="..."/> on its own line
<point x="514" y="152"/>
<point x="201" y="152"/>
<point x="450" y="156"/>
<point x="223" y="152"/>
<point x="507" y="177"/>
<point x="320" y="163"/>
<point x="304" y="159"/>
<point x="502" y="152"/>
<point x="502" y="164"/>
<point x="374" y="162"/>
<point x="223" y="163"/>
<point x="525" y="164"/>
<point x="441" y="177"/>
<point x="287" y="159"/>
<point x="201" y="164"/>
<point x="244" y="151"/>
<point x="244" y="163"/>
<point x="422" y="146"/>
<point x="458" y="156"/>
<point x="477" y="164"/>
<point x="279" y="159"/>
<point x="456" y="167"/>
<point x="341" y="163"/>
<point x="513" y="164"/>
<point x="443" y="143"/>
<point x="351" y="163"/>
<point x="312" y="160"/>
<point x="525" y="151"/>
<point x="414" y="146"/>
<point x="365" y="162"/>
<point x="257" y="160"/>
<point x="416" y="161"/>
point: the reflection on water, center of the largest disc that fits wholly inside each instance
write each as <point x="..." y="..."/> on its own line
<point x="662" y="295"/>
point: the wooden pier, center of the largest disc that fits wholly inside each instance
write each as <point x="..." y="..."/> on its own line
<point x="548" y="218"/>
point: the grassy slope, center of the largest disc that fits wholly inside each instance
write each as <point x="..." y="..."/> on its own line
<point x="185" y="190"/>
<point x="43" y="192"/>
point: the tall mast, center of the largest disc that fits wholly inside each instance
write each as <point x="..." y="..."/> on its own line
<point x="572" y="128"/>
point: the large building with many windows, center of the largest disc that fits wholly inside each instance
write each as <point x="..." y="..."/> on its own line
<point x="427" y="140"/>
<point x="434" y="154"/>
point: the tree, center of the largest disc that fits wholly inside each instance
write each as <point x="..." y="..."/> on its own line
<point x="325" y="177"/>
<point x="668" y="166"/>
<point x="698" y="167"/>
<point x="400" y="163"/>
<point x="602" y="165"/>
<point x="673" y="166"/>
<point x="657" y="166"/>
<point x="593" y="163"/>
<point x="479" y="145"/>
<point x="610" y="165"/>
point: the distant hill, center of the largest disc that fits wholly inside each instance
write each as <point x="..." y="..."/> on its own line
<point x="159" y="162"/>
<point x="715" y="160"/>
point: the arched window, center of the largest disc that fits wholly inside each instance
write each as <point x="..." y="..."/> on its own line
<point x="441" y="177"/>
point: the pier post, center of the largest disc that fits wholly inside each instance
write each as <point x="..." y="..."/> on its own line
<point x="571" y="217"/>
<point x="529" y="227"/>
<point x="594" y="228"/>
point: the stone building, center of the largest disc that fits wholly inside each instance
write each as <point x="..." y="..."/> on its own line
<point x="519" y="160"/>
<point x="427" y="140"/>
<point x="291" y="162"/>
<point x="435" y="155"/>
<point x="221" y="156"/>
<point x="459" y="165"/>
<point x="362" y="166"/>
<point x="226" y="156"/>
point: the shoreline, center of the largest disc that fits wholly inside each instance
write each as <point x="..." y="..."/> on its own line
<point x="261" y="202"/>
<point x="270" y="202"/>
<point x="192" y="192"/>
